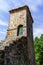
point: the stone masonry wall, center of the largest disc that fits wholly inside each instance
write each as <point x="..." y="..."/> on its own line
<point x="16" y="53"/>
<point x="16" y="19"/>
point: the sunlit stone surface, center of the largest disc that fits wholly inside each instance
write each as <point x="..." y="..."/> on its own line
<point x="18" y="47"/>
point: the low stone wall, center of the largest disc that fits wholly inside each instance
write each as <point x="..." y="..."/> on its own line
<point x="16" y="53"/>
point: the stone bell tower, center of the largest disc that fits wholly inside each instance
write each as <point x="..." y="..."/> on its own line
<point x="21" y="24"/>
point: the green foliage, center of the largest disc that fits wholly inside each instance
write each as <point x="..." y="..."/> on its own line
<point x="38" y="45"/>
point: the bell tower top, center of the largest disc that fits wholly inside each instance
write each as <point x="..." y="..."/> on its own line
<point x="20" y="9"/>
<point x="19" y="18"/>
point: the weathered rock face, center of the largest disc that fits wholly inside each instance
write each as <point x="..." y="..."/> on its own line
<point x="16" y="54"/>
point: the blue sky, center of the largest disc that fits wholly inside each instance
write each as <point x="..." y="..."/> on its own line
<point x="36" y="8"/>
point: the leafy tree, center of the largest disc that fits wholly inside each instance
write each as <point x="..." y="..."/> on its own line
<point x="38" y="43"/>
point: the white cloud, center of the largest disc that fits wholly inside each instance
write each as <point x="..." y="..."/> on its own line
<point x="2" y="35"/>
<point x="2" y="32"/>
<point x="33" y="4"/>
<point x="3" y="23"/>
<point x="38" y="32"/>
<point x="3" y="5"/>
